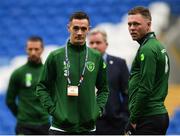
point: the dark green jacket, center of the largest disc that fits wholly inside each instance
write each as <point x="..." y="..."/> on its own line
<point x="27" y="108"/>
<point x="148" y="83"/>
<point x="73" y="113"/>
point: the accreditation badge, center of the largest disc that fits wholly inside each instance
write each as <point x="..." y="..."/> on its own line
<point x="72" y="91"/>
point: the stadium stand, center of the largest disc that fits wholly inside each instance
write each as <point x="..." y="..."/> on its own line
<point x="174" y="128"/>
<point x="47" y="18"/>
<point x="7" y="121"/>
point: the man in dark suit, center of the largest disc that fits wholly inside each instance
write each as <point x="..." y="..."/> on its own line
<point x="116" y="113"/>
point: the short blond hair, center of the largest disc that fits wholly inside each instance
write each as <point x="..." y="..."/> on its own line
<point x="101" y="31"/>
<point x="142" y="11"/>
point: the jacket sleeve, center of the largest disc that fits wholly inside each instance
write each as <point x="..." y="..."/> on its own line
<point x="44" y="87"/>
<point x="102" y="86"/>
<point x="12" y="92"/>
<point x="147" y="59"/>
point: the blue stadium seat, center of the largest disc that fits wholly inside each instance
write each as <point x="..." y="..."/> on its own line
<point x="7" y="124"/>
<point x="45" y="16"/>
<point x="174" y="127"/>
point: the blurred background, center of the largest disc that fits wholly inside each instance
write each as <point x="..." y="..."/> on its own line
<point x="20" y="19"/>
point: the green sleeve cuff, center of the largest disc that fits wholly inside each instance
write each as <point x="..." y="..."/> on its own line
<point x="51" y="110"/>
<point x="133" y="120"/>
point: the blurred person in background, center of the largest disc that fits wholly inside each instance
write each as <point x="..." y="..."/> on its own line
<point x="148" y="82"/>
<point x="32" y="119"/>
<point x="116" y="114"/>
<point x="68" y="80"/>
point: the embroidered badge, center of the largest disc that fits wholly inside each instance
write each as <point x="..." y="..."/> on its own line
<point x="104" y="65"/>
<point x="28" y="79"/>
<point x="142" y="57"/>
<point x="90" y="66"/>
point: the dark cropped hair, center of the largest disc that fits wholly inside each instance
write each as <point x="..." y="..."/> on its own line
<point x="36" y="39"/>
<point x="79" y="15"/>
<point x="141" y="10"/>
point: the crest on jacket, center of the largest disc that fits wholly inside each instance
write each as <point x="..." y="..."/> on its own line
<point x="90" y="66"/>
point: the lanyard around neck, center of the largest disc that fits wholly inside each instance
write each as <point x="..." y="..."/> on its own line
<point x="68" y="66"/>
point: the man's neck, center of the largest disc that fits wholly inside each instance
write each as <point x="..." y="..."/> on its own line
<point x="77" y="44"/>
<point x="35" y="62"/>
<point x="144" y="38"/>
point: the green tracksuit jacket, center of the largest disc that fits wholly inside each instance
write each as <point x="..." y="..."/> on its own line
<point x="148" y="83"/>
<point x="73" y="113"/>
<point x="27" y="108"/>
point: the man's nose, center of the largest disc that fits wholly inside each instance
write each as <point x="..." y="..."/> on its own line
<point x="79" y="31"/>
<point x="94" y="45"/>
<point x="131" y="27"/>
<point x="33" y="52"/>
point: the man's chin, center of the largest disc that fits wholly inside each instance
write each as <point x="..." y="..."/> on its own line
<point x="79" y="43"/>
<point x="135" y="38"/>
<point x="33" y="60"/>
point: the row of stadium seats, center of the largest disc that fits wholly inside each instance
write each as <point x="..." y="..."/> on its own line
<point x="48" y="19"/>
<point x="174" y="128"/>
<point x="8" y="121"/>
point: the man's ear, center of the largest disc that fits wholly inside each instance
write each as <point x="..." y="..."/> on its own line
<point x="68" y="27"/>
<point x="107" y="44"/>
<point x="149" y="23"/>
<point x="42" y="48"/>
<point x="89" y="28"/>
<point x="149" y="26"/>
<point x="26" y="49"/>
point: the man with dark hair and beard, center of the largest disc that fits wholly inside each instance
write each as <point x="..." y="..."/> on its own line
<point x="31" y="117"/>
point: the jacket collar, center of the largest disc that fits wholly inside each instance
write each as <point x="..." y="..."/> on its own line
<point x="148" y="36"/>
<point x="33" y="64"/>
<point x="76" y="47"/>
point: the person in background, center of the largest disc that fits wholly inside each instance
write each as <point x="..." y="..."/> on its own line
<point x="116" y="114"/>
<point x="67" y="84"/>
<point x="148" y="82"/>
<point x="32" y="119"/>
